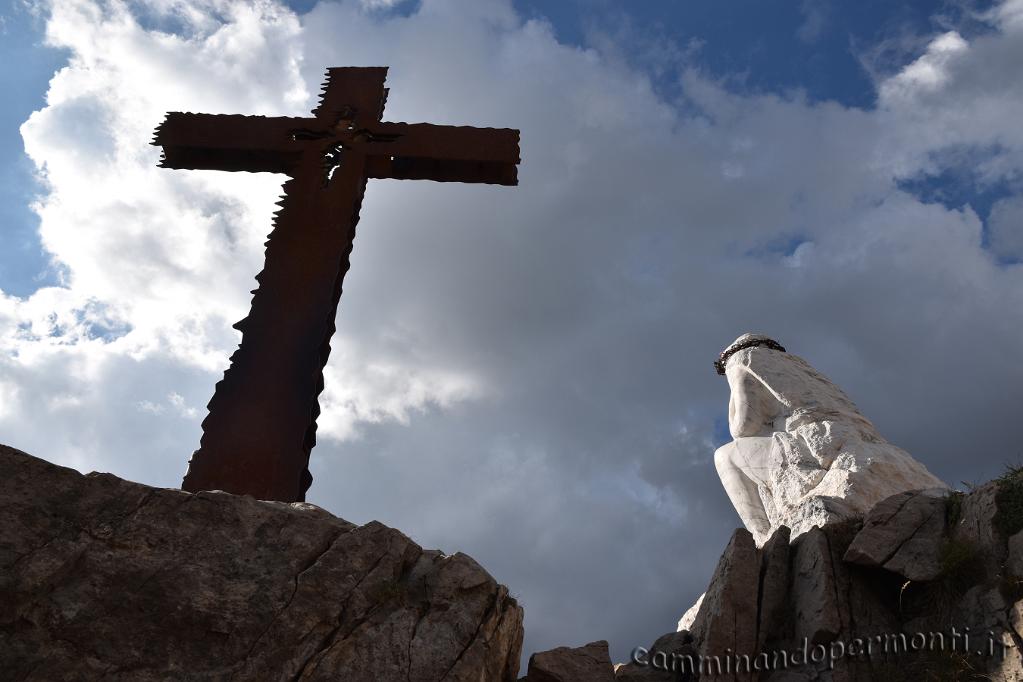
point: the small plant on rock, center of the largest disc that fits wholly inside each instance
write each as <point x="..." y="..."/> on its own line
<point x="1008" y="518"/>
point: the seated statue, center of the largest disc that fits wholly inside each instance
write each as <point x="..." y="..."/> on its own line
<point x="802" y="455"/>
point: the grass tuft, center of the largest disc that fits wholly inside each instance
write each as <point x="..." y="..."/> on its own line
<point x="1008" y="518"/>
<point x="954" y="508"/>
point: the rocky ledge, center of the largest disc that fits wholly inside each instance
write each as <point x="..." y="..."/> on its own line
<point x="104" y="578"/>
<point x="927" y="587"/>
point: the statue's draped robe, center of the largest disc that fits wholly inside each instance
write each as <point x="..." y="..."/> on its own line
<point x="805" y="445"/>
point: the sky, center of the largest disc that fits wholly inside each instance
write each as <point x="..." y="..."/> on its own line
<point x="524" y="373"/>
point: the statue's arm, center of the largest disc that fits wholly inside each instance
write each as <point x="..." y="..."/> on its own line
<point x="752" y="408"/>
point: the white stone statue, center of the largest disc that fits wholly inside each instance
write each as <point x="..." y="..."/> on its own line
<point x="802" y="454"/>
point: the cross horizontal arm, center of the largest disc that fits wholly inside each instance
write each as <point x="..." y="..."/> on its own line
<point x="454" y="143"/>
<point x="229" y="142"/>
<point x="412" y="168"/>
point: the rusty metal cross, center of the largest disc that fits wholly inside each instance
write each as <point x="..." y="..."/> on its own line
<point x="261" y="425"/>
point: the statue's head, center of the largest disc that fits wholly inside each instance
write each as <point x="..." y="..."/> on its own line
<point x="747" y="340"/>
<point x="764" y="373"/>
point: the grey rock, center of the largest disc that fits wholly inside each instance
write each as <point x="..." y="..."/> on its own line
<point x="982" y="608"/>
<point x="1008" y="668"/>
<point x="727" y="618"/>
<point x="1014" y="562"/>
<point x="819" y="611"/>
<point x="589" y="663"/>
<point x="795" y="676"/>
<point x="104" y="578"/>
<point x="671" y="658"/>
<point x="976" y="524"/>
<point x="1016" y="618"/>
<point x="773" y="595"/>
<point x="903" y="534"/>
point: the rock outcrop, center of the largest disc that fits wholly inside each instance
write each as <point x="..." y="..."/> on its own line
<point x="928" y="587"/>
<point x="103" y="578"/>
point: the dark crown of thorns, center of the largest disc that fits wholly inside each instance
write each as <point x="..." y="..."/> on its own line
<point x="719" y="364"/>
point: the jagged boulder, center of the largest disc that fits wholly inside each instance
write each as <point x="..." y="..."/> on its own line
<point x="589" y="663"/>
<point x="903" y="534"/>
<point x="104" y="578"/>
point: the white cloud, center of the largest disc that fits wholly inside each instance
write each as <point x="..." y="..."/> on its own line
<point x="815" y="20"/>
<point x="1008" y="14"/>
<point x="958" y="99"/>
<point x="8" y="398"/>
<point x="930" y="71"/>
<point x="371" y="390"/>
<point x="379" y="4"/>
<point x="520" y="373"/>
